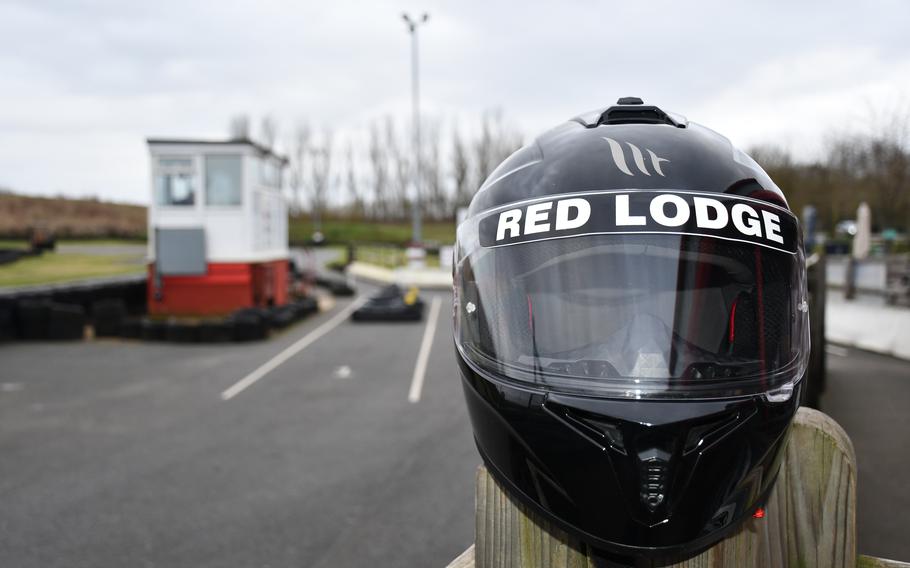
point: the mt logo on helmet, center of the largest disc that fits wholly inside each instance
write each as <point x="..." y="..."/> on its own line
<point x="619" y="158"/>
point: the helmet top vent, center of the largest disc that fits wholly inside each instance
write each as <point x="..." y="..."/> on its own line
<point x="632" y="110"/>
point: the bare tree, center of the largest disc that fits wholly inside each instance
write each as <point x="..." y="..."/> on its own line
<point x="461" y="168"/>
<point x="495" y="143"/>
<point x="353" y="184"/>
<point x="239" y="127"/>
<point x="320" y="176"/>
<point x="379" y="165"/>
<point x="299" y="147"/>
<point x="886" y="165"/>
<point x="401" y="168"/>
<point x="433" y="197"/>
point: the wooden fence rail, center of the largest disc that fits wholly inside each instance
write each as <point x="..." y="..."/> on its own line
<point x="810" y="518"/>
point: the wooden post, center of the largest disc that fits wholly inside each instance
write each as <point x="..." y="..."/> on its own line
<point x="810" y="517"/>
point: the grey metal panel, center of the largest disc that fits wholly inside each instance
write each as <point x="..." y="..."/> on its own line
<point x="180" y="252"/>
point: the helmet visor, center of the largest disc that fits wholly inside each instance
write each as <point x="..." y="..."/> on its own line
<point x="641" y="314"/>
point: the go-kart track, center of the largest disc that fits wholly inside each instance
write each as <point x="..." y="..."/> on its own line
<point x="334" y="443"/>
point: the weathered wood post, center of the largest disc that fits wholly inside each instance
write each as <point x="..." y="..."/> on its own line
<point x="810" y="518"/>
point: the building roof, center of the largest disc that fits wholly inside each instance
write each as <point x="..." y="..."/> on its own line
<point x="262" y="150"/>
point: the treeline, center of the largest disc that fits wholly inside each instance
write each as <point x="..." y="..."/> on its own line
<point x="370" y="174"/>
<point x="871" y="166"/>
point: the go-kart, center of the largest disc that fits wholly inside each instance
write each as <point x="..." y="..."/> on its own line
<point x="391" y="304"/>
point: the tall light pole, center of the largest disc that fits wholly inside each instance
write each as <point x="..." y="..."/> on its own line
<point x="415" y="100"/>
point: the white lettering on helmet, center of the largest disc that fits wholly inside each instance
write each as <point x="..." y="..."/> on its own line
<point x="772" y="227"/>
<point x="623" y="219"/>
<point x="658" y="212"/>
<point x="536" y="217"/>
<point x="563" y="207"/>
<point x="703" y="217"/>
<point x="739" y="212"/>
<point x="508" y="221"/>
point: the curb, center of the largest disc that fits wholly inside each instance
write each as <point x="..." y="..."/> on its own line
<point x="425" y="278"/>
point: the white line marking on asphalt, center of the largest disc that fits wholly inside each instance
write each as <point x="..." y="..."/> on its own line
<point x="290" y="351"/>
<point x="343" y="372"/>
<point x="423" y="357"/>
<point x="835" y="350"/>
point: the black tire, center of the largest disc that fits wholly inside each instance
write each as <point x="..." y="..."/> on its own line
<point x="181" y="332"/>
<point x="216" y="331"/>
<point x="131" y="328"/>
<point x="66" y="322"/>
<point x="9" y="328"/>
<point x="282" y="317"/>
<point x="152" y="330"/>
<point x="32" y="315"/>
<point x="75" y="295"/>
<point x="305" y="307"/>
<point x="249" y="325"/>
<point x="107" y="315"/>
<point x="134" y="294"/>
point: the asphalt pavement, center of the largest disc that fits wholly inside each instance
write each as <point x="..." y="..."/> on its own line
<point x="118" y="453"/>
<point x="869" y="395"/>
<point x="123" y="453"/>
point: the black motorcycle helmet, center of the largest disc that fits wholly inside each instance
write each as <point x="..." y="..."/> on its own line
<point x="631" y="327"/>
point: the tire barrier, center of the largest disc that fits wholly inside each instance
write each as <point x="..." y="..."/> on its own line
<point x="249" y="325"/>
<point x="65" y="322"/>
<point x="39" y="319"/>
<point x="32" y="317"/>
<point x="181" y="332"/>
<point x="305" y="306"/>
<point x="131" y="328"/>
<point x="117" y="309"/>
<point x="282" y="317"/>
<point x="107" y="316"/>
<point x="8" y="326"/>
<point x="152" y="330"/>
<point x="215" y="332"/>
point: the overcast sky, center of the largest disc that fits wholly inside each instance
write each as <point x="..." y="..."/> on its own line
<point x="82" y="84"/>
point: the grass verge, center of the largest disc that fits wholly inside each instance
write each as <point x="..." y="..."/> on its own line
<point x="52" y="268"/>
<point x="347" y="230"/>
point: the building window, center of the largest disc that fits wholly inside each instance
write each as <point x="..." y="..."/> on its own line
<point x="269" y="173"/>
<point x="175" y="183"/>
<point x="223" y="180"/>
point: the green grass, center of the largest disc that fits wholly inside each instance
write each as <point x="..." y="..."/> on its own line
<point x="23" y="244"/>
<point x="365" y="231"/>
<point x="13" y="244"/>
<point x="389" y="257"/>
<point x="52" y="267"/>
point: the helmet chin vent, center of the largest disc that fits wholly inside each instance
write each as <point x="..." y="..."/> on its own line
<point x="653" y="478"/>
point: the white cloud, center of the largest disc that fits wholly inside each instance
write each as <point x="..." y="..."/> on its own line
<point x="84" y="83"/>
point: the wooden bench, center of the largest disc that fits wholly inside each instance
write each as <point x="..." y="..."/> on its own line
<point x="810" y="517"/>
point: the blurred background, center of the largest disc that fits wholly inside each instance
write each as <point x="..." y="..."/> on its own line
<point x="248" y="421"/>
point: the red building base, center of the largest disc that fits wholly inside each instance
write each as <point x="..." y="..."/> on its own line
<point x="225" y="287"/>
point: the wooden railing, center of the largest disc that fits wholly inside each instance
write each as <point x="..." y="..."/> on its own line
<point x="810" y="518"/>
